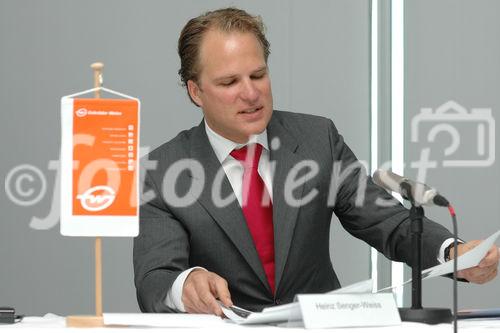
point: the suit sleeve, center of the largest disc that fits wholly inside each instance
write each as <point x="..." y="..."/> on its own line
<point x="360" y="208"/>
<point x="161" y="251"/>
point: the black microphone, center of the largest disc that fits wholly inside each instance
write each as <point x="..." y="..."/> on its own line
<point x="419" y="193"/>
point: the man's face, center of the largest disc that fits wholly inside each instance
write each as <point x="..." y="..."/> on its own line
<point x="234" y="89"/>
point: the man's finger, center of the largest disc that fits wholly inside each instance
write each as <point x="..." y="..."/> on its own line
<point x="491" y="258"/>
<point x="221" y="291"/>
<point x="203" y="294"/>
<point x="464" y="274"/>
<point x="476" y="274"/>
<point x="486" y="277"/>
<point x="191" y="300"/>
<point x="492" y="275"/>
<point x="209" y="301"/>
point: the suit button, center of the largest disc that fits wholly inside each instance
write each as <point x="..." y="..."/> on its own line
<point x="277" y="301"/>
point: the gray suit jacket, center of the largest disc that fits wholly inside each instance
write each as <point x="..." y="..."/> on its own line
<point x="174" y="238"/>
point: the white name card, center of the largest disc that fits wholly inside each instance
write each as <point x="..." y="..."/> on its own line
<point x="348" y="310"/>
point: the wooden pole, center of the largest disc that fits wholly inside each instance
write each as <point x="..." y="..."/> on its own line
<point x="97" y="320"/>
<point x="97" y="67"/>
<point x="98" y="277"/>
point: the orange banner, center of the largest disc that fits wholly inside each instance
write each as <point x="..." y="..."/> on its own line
<point x="105" y="148"/>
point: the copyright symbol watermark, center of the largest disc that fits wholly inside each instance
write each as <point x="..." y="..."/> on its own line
<point x="25" y="185"/>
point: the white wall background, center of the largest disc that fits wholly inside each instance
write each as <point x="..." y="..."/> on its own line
<point x="319" y="65"/>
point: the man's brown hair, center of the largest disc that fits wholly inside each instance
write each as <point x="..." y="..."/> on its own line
<point x="225" y="20"/>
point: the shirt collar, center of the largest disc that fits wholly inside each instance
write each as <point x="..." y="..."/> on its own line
<point x="223" y="147"/>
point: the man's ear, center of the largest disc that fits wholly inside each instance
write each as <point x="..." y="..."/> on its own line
<point x="194" y="92"/>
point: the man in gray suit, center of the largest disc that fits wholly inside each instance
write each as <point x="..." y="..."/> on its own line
<point x="203" y="235"/>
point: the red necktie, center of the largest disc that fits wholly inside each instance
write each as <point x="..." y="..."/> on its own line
<point x="257" y="207"/>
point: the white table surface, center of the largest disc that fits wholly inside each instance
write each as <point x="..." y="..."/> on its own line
<point x="54" y="323"/>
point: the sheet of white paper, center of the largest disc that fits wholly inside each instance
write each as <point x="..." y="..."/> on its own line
<point x="358" y="287"/>
<point x="287" y="312"/>
<point x="361" y="287"/>
<point x="283" y="307"/>
<point x="394" y="286"/>
<point x="163" y="320"/>
<point x="30" y="324"/>
<point x="467" y="260"/>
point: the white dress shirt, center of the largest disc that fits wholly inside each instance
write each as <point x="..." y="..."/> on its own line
<point x="234" y="172"/>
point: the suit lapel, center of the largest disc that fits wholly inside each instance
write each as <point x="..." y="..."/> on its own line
<point x="230" y="217"/>
<point x="284" y="215"/>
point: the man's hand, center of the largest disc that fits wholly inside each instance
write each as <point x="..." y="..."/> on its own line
<point x="487" y="268"/>
<point x="201" y="291"/>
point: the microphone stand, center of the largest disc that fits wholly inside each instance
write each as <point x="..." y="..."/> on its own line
<point x="417" y="313"/>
